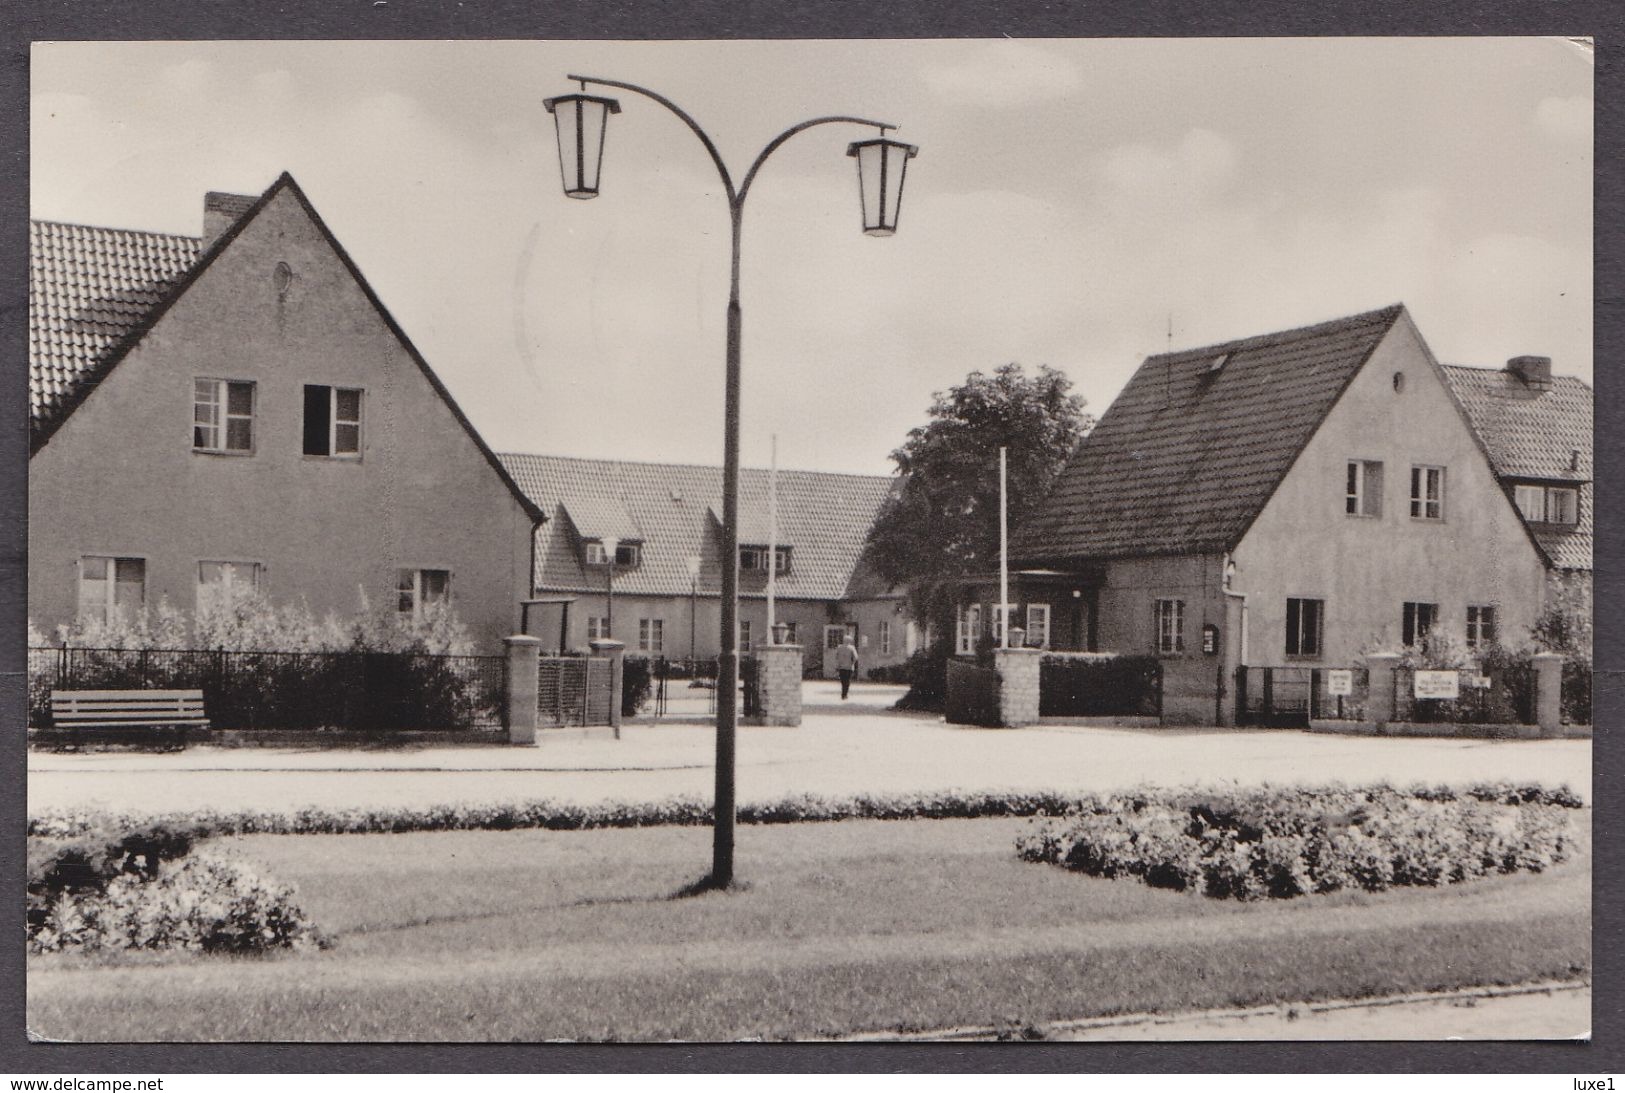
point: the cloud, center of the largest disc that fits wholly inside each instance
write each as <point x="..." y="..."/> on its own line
<point x="1565" y="119"/>
<point x="1202" y="163"/>
<point x="1003" y="74"/>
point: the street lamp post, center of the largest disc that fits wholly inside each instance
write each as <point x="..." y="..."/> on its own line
<point x="580" y="122"/>
<point x="693" y="609"/>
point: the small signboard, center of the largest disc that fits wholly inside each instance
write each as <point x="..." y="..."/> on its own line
<point x="1438" y="684"/>
<point x="1481" y="682"/>
<point x="1340" y="681"/>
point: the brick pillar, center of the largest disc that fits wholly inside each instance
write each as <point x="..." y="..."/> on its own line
<point x="1379" y="700"/>
<point x="616" y="652"/>
<point x="523" y="652"/>
<point x="1018" y="686"/>
<point x="780" y="684"/>
<point x="1549" y="693"/>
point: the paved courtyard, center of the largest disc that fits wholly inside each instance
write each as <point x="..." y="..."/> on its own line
<point x="858" y="746"/>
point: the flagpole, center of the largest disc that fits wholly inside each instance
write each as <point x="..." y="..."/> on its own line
<point x="1004" y="555"/>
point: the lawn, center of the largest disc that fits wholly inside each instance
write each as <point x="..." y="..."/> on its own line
<point x="841" y="928"/>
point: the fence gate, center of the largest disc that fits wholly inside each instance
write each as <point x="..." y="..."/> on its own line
<point x="574" y="690"/>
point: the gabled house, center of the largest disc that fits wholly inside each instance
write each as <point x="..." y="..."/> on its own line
<point x="241" y="407"/>
<point x="1284" y="500"/>
<point x="666" y="522"/>
<point x="1537" y="431"/>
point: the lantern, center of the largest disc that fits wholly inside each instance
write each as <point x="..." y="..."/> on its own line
<point x="581" y="121"/>
<point x="881" y="165"/>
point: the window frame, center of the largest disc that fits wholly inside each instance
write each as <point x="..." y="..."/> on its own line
<point x="597" y="628"/>
<point x="333" y="422"/>
<point x="1410" y="617"/>
<point x="885" y="637"/>
<point x="1000" y="610"/>
<point x="1297" y="631"/>
<point x="416" y="591"/>
<point x="1042" y="611"/>
<point x="1362" y="501"/>
<point x="652" y="635"/>
<point x="1546" y="499"/>
<point x="1422" y="478"/>
<point x="594" y="554"/>
<point x="110" y="605"/>
<point x="744" y="636"/>
<point x="967" y="629"/>
<point x="1482" y="617"/>
<point x="257" y="569"/>
<point x="221" y="390"/>
<point x="1168" y="609"/>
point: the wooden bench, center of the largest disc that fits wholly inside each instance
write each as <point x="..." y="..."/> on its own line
<point x="127" y="710"/>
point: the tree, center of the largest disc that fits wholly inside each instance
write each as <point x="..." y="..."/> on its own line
<point x="942" y="523"/>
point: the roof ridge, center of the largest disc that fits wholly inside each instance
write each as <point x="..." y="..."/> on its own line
<point x="1254" y="341"/>
<point x="1496" y="370"/>
<point x="109" y="228"/>
<point x="689" y="466"/>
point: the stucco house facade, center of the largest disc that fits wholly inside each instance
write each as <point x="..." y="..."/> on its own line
<point x="241" y="407"/>
<point x="666" y="522"/>
<point x="1293" y="499"/>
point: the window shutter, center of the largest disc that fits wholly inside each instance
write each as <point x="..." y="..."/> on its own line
<point x="318" y="407"/>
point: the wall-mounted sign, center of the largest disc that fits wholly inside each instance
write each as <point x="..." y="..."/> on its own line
<point x="1437" y="684"/>
<point x="1481" y="682"/>
<point x="1210" y="639"/>
<point x="1340" y="681"/>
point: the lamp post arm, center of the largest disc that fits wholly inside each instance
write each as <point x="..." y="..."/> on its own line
<point x="716" y="157"/>
<point x="773" y="145"/>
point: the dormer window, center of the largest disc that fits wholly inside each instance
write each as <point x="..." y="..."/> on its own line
<point x="627" y="555"/>
<point x="753" y="559"/>
<point x="1548" y="504"/>
<point x="1217" y="363"/>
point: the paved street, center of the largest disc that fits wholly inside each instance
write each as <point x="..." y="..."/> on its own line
<point x="840" y="749"/>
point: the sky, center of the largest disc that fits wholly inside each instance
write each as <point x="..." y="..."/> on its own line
<point x="1079" y="203"/>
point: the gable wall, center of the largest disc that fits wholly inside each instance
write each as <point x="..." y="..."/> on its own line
<point x="120" y="476"/>
<point x="1365" y="568"/>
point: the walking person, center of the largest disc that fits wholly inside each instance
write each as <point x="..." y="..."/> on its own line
<point x="846" y="663"/>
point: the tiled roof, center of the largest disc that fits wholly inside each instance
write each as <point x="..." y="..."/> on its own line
<point x="1189" y="454"/>
<point x="87" y="289"/>
<point x="1534" y="434"/>
<point x="824" y="518"/>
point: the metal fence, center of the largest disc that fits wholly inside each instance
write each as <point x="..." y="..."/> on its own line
<point x="574" y="690"/>
<point x="1504" y="695"/>
<point x="356" y="691"/>
<point x="1277" y="697"/>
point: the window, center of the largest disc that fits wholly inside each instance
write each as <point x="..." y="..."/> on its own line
<point x="1480" y="625"/>
<point x="968" y="629"/>
<point x="225" y="581"/>
<point x="111" y="588"/>
<point x="1303" y="622"/>
<point x="222" y="416"/>
<point x="1418" y="620"/>
<point x="754" y="559"/>
<point x="1548" y="504"/>
<point x="1038" y="625"/>
<point x="744" y="636"/>
<point x="789" y="633"/>
<point x="627" y="555"/>
<point x="652" y="635"/>
<point x="885" y="637"/>
<point x="597" y="628"/>
<point x="1427" y="493"/>
<point x="999" y="612"/>
<point x="332" y="421"/>
<point x="416" y="590"/>
<point x="1362" y="494"/>
<point x="1170" y="621"/>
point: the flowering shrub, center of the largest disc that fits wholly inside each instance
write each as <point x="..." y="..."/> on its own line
<point x="97" y="889"/>
<point x="1284" y="842"/>
<point x="208" y="903"/>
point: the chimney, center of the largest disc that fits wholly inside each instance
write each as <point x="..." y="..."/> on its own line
<point x="220" y="212"/>
<point x="1536" y="372"/>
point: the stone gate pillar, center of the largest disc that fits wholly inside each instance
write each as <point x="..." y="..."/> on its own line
<point x="1549" y="693"/>
<point x="1379" y="695"/>
<point x="1018" y="685"/>
<point x="616" y="652"/>
<point x="780" y="685"/>
<point x="523" y="654"/>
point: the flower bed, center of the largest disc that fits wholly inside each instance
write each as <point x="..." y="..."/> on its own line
<point x="145" y="890"/>
<point x="1285" y="842"/>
